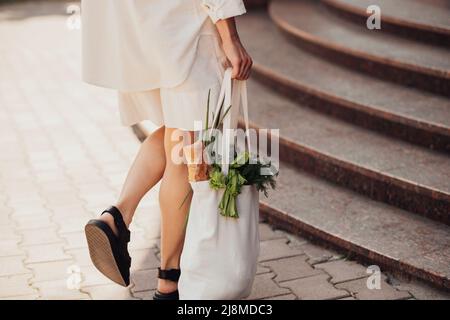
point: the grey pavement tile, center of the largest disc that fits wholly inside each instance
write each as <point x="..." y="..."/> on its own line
<point x="361" y="290"/>
<point x="265" y="287"/>
<point x="292" y="268"/>
<point x="315" y="288"/>
<point x="343" y="270"/>
<point x="275" y="249"/>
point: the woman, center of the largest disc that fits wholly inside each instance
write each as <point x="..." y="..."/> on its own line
<point x="163" y="58"/>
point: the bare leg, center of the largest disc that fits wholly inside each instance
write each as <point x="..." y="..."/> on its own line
<point x="174" y="189"/>
<point x="145" y="172"/>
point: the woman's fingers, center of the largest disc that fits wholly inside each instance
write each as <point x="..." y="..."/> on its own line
<point x="240" y="70"/>
<point x="238" y="58"/>
<point x="247" y="68"/>
<point x="237" y="64"/>
<point x="241" y="64"/>
<point x="243" y="68"/>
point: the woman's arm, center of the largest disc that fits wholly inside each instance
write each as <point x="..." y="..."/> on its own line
<point x="234" y="50"/>
<point x="222" y="13"/>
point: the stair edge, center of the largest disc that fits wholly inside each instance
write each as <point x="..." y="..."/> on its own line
<point x="293" y="224"/>
<point x="403" y="27"/>
<point x="425" y="78"/>
<point x="412" y="130"/>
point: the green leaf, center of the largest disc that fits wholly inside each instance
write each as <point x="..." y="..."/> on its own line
<point x="207" y="111"/>
<point x="216" y="179"/>
<point x="224" y="115"/>
<point x="240" y="160"/>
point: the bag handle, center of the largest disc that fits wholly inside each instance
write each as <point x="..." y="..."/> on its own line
<point x="224" y="95"/>
<point x="232" y="93"/>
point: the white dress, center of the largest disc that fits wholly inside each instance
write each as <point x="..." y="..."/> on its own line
<point x="162" y="56"/>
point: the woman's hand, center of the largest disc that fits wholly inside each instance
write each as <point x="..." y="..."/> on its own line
<point x="240" y="60"/>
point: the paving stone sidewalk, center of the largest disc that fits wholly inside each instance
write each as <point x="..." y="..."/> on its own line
<point x="63" y="158"/>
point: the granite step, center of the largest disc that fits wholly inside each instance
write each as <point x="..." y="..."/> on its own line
<point x="428" y="21"/>
<point x="396" y="172"/>
<point x="391" y="238"/>
<point x="403" y="112"/>
<point x="309" y="24"/>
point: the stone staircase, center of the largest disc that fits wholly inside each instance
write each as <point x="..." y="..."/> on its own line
<point x="364" y="119"/>
<point x="425" y="20"/>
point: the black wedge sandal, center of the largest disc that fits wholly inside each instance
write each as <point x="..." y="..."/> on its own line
<point x="172" y="275"/>
<point x="109" y="252"/>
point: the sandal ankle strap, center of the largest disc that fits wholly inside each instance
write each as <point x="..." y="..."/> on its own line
<point x="169" y="274"/>
<point x="124" y="233"/>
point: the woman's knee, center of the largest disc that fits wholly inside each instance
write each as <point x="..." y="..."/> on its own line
<point x="174" y="141"/>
